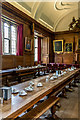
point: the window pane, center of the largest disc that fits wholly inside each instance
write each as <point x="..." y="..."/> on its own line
<point x="2" y="34"/>
<point x="6" y="46"/>
<point x="13" y="33"/>
<point x="36" y="54"/>
<point x="36" y="51"/>
<point x="36" y="42"/>
<point x="13" y="39"/>
<point x="6" y="30"/>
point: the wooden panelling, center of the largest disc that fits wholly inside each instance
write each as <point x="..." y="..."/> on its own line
<point x="0" y="62"/>
<point x="58" y="58"/>
<point x="18" y="61"/>
<point x="7" y="61"/>
<point x="27" y="60"/>
<point x="68" y="58"/>
<point x="32" y="60"/>
<point x="13" y="61"/>
<point x="71" y="37"/>
<point x="51" y="53"/>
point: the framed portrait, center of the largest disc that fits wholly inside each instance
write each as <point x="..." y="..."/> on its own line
<point x="28" y="44"/>
<point x="58" y="46"/>
<point x="69" y="47"/>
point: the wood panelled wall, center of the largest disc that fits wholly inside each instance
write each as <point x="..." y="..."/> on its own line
<point x="11" y="61"/>
<point x="67" y="58"/>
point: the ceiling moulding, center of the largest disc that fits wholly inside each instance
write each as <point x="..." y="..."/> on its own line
<point x="23" y="4"/>
<point x="39" y="11"/>
<point x="34" y="9"/>
<point x="20" y="7"/>
<point x="45" y="24"/>
<point x="46" y="19"/>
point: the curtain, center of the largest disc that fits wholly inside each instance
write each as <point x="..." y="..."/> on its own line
<point x="20" y="40"/>
<point x="39" y="49"/>
<point x="0" y="37"/>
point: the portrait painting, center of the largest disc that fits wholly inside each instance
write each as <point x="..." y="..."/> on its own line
<point x="68" y="47"/>
<point x="58" y="46"/>
<point x="28" y="44"/>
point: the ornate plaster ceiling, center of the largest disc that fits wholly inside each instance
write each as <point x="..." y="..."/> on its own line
<point x="55" y="15"/>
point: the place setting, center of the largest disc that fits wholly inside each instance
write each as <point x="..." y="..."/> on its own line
<point x="30" y="88"/>
<point x="21" y="92"/>
<point x="39" y="84"/>
<point x="15" y="91"/>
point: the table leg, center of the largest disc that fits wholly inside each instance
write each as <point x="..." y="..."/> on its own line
<point x="38" y="72"/>
<point x="63" y="93"/>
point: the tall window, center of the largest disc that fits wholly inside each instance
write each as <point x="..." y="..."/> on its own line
<point x="36" y="49"/>
<point x="9" y="38"/>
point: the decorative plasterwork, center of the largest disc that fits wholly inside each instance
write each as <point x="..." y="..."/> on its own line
<point x="59" y="19"/>
<point x="61" y="5"/>
<point x="49" y="14"/>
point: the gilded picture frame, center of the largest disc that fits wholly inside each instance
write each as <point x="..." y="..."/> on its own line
<point x="69" y="47"/>
<point x="28" y="44"/>
<point x="58" y="46"/>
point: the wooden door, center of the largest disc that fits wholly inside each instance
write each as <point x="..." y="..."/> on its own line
<point x="45" y="50"/>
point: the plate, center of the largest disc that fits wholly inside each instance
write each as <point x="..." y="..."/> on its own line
<point x="32" y="83"/>
<point x="55" y="77"/>
<point x="23" y="94"/>
<point x="28" y="89"/>
<point x="52" y="78"/>
<point x="15" y="92"/>
<point x="54" y="74"/>
<point x="59" y="75"/>
<point x="40" y="85"/>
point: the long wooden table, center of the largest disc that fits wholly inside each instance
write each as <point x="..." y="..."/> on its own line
<point x="15" y="73"/>
<point x="24" y="68"/>
<point x="17" y="104"/>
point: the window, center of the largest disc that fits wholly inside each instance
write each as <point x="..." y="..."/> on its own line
<point x="36" y="49"/>
<point x="9" y="38"/>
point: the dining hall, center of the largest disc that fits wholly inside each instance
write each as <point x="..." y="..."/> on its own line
<point x="39" y="60"/>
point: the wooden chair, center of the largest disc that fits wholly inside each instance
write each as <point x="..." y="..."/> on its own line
<point x="55" y="66"/>
<point x="49" y="68"/>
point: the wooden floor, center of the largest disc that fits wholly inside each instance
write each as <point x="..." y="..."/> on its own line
<point x="69" y="107"/>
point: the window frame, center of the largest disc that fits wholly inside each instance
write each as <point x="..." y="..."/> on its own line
<point x="10" y="40"/>
<point x="35" y="48"/>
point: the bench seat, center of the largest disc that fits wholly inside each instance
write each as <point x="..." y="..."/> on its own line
<point x="40" y="109"/>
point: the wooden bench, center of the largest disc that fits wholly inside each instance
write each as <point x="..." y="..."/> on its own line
<point x="24" y="74"/>
<point x="40" y="109"/>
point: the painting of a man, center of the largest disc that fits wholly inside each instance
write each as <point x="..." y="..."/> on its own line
<point x="28" y="44"/>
